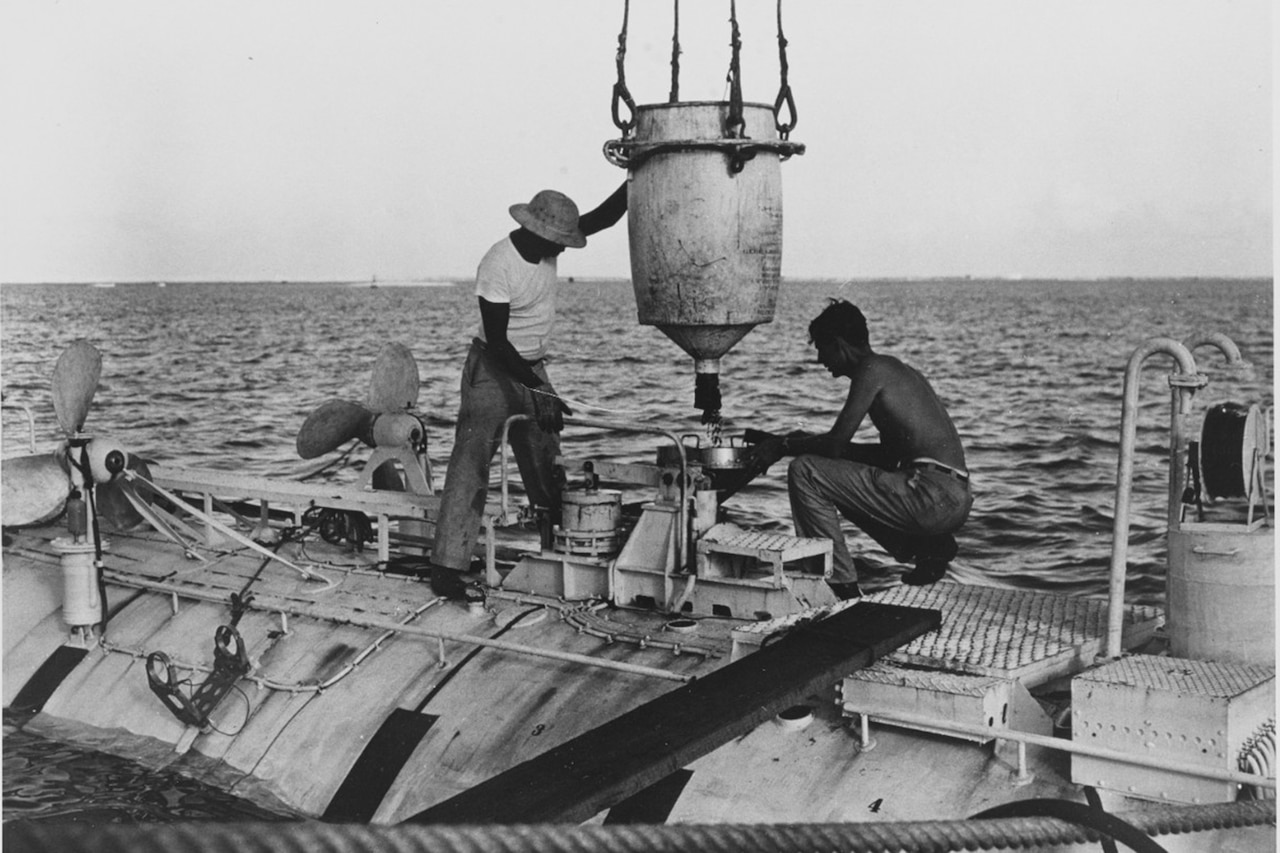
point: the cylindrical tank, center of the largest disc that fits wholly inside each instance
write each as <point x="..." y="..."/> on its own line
<point x="590" y="522"/>
<point x="705" y="223"/>
<point x="1220" y="586"/>
<point x="81" y="605"/>
<point x="1220" y="596"/>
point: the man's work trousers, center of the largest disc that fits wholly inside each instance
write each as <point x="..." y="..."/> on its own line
<point x="489" y="397"/>
<point x="910" y="512"/>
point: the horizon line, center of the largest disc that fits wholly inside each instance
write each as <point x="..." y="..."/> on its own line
<point x="447" y="280"/>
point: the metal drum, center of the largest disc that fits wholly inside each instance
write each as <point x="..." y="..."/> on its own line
<point x="1221" y="594"/>
<point x="1220" y="585"/>
<point x="591" y="522"/>
<point x="706" y="242"/>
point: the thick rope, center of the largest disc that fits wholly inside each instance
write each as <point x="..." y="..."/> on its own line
<point x="924" y="836"/>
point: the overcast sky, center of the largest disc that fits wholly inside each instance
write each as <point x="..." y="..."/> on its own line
<point x="338" y="140"/>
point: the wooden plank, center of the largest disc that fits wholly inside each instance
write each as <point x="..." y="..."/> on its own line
<point x="580" y="778"/>
<point x="497" y="710"/>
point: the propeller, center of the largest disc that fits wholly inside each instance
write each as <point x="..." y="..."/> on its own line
<point x="33" y="489"/>
<point x="36" y="488"/>
<point x="384" y="420"/>
<point x="75" y="381"/>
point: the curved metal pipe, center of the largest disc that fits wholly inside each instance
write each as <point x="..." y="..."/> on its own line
<point x="31" y="420"/>
<point x="1124" y="473"/>
<point x="1225" y="345"/>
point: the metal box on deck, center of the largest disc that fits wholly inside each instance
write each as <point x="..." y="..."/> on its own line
<point x="1164" y="708"/>
<point x="885" y="690"/>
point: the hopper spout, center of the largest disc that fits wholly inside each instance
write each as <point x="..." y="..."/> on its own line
<point x="706" y="389"/>
<point x="706" y="344"/>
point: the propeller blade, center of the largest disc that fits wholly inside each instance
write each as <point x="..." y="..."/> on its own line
<point x="75" y="380"/>
<point x="332" y="425"/>
<point x="33" y="489"/>
<point x="394" y="386"/>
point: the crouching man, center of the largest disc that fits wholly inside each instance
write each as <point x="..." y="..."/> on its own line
<point x="909" y="492"/>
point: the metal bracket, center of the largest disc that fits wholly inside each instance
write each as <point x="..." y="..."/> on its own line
<point x="230" y="664"/>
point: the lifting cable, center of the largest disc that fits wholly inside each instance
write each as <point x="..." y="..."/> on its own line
<point x="784" y="88"/>
<point x="629" y="153"/>
<point x="620" y="91"/>
<point x="735" y="124"/>
<point x="675" y="53"/>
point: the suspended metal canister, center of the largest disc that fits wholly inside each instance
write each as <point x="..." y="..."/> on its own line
<point x="705" y="226"/>
<point x="704" y="210"/>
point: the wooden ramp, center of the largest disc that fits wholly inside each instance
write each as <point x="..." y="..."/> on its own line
<point x="581" y="777"/>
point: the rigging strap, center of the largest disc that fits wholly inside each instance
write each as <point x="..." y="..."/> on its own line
<point x="735" y="125"/>
<point x="620" y="91"/>
<point x="784" y="90"/>
<point x="675" y="53"/>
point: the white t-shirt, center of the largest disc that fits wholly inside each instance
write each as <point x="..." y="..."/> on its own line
<point x="530" y="290"/>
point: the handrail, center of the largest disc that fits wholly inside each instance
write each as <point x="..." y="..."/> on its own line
<point x="31" y="420"/>
<point x="1154" y="762"/>
<point x="1224" y="344"/>
<point x="1124" y="472"/>
<point x="365" y="620"/>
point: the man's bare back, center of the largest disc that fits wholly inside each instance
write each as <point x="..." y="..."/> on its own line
<point x="907" y="412"/>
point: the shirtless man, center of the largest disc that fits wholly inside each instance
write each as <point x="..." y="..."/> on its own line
<point x="909" y="492"/>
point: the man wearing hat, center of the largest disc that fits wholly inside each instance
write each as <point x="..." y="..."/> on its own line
<point x="505" y="372"/>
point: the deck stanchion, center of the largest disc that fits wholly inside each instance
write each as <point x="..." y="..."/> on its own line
<point x="1124" y="475"/>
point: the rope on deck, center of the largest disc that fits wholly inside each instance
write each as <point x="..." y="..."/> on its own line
<point x="922" y="836"/>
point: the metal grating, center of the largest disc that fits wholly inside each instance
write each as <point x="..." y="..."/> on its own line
<point x="1007" y="632"/>
<point x="748" y="542"/>
<point x="1180" y="676"/>
<point x="952" y="683"/>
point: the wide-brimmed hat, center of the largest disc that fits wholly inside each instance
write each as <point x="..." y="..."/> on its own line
<point x="552" y="216"/>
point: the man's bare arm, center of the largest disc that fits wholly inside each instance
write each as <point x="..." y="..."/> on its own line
<point x="495" y="316"/>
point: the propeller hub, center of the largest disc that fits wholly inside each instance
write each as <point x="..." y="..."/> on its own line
<point x="396" y="429"/>
<point x="106" y="460"/>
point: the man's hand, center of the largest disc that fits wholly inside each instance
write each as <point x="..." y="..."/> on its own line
<point x="764" y="453"/>
<point x="548" y="409"/>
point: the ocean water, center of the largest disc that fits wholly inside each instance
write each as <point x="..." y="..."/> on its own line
<point x="223" y="375"/>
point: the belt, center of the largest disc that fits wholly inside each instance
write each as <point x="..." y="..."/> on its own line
<point x="484" y="347"/>
<point x="931" y="465"/>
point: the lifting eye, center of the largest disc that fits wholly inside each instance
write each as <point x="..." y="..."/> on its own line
<point x="226" y="640"/>
<point x="159" y="670"/>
